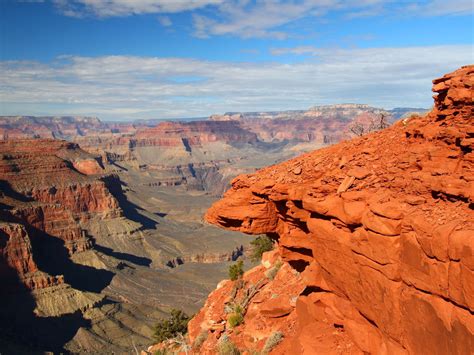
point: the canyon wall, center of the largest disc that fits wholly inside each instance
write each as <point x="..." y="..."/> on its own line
<point x="47" y="188"/>
<point x="376" y="240"/>
<point x="193" y="133"/>
<point x="200" y="155"/>
<point x="62" y="127"/>
<point x="327" y="124"/>
<point x="83" y="252"/>
<point x="188" y="154"/>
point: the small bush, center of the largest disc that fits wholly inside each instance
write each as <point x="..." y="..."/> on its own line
<point x="169" y="328"/>
<point x="236" y="271"/>
<point x="271" y="273"/>
<point x="200" y="339"/>
<point x="235" y="319"/>
<point x="261" y="244"/>
<point x="227" y="347"/>
<point x="272" y="341"/>
<point x="236" y="316"/>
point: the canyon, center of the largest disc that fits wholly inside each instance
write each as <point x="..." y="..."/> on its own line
<point x="374" y="243"/>
<point x="79" y="252"/>
<point x="204" y="154"/>
<point x="102" y="233"/>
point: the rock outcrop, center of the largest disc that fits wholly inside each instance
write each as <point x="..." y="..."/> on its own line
<point x="376" y="236"/>
<point x="47" y="188"/>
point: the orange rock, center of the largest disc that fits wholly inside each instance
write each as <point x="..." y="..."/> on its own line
<point x="380" y="263"/>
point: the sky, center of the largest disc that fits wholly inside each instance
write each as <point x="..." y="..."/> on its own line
<point x="132" y="59"/>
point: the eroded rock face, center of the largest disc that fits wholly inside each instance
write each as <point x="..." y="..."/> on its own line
<point x="47" y="188"/>
<point x="320" y="124"/>
<point x="63" y="127"/>
<point x="194" y="134"/>
<point x="377" y="239"/>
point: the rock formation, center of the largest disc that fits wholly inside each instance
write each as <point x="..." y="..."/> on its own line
<point x="193" y="133"/>
<point x="47" y="187"/>
<point x="321" y="124"/>
<point x="376" y="236"/>
<point x="63" y="127"/>
<point x="82" y="266"/>
<point x="203" y="154"/>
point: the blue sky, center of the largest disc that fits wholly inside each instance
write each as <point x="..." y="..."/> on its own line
<point x="122" y="59"/>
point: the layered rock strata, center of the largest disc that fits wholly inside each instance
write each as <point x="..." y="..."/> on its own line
<point x="376" y="236"/>
<point x="327" y="124"/>
<point x="47" y="188"/>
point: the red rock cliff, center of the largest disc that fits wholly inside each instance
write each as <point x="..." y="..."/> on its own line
<point x="377" y="239"/>
<point x="46" y="190"/>
<point x="194" y="133"/>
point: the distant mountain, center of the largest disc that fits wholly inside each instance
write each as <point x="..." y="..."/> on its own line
<point x="324" y="124"/>
<point x="399" y="112"/>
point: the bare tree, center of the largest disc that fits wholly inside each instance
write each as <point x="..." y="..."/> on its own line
<point x="375" y="124"/>
<point x="358" y="129"/>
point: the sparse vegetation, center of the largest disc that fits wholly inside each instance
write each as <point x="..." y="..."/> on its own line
<point x="271" y="273"/>
<point x="236" y="271"/>
<point x="181" y="342"/>
<point x="200" y="339"/>
<point x="273" y="340"/>
<point x="375" y="124"/>
<point x="227" y="347"/>
<point x="169" y="328"/>
<point x="261" y="244"/>
<point x="236" y="317"/>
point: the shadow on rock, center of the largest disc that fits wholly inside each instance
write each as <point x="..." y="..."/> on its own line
<point x="52" y="257"/>
<point x="137" y="260"/>
<point x="8" y="191"/>
<point x="130" y="210"/>
<point x="21" y="331"/>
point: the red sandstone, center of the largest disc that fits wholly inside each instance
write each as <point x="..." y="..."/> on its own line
<point x="377" y="236"/>
<point x="47" y="186"/>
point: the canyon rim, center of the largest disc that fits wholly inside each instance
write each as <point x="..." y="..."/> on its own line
<point x="225" y="177"/>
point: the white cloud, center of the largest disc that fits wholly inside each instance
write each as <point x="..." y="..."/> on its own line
<point x="145" y="87"/>
<point x="300" y="50"/>
<point x="165" y="21"/>
<point x="114" y="8"/>
<point x="261" y="18"/>
<point x="441" y="7"/>
<point x="264" y="19"/>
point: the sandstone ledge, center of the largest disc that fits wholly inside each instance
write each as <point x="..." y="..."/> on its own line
<point x="379" y="232"/>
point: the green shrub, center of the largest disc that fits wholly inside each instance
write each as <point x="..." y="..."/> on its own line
<point x="271" y="273"/>
<point x="272" y="341"/>
<point x="227" y="347"/>
<point x="236" y="316"/>
<point x="169" y="328"/>
<point x="236" y="270"/>
<point x="235" y="319"/>
<point x="261" y="244"/>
